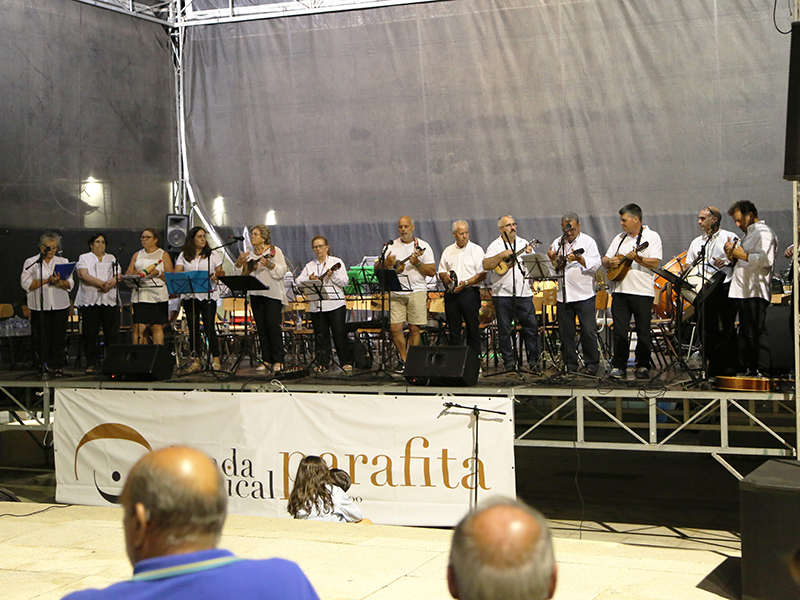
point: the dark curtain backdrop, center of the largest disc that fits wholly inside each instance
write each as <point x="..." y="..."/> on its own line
<point x="343" y="122"/>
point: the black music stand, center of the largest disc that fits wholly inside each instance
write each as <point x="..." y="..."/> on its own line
<point x="679" y="286"/>
<point x="385" y="281"/>
<point x="240" y="285"/>
<point x="315" y="290"/>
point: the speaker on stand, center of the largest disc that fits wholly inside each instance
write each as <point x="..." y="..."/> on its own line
<point x="176" y="229"/>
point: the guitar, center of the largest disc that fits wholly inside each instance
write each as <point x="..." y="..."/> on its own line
<point x="400" y="265"/>
<point x="508" y="261"/>
<point x="561" y="260"/>
<point x="618" y="274"/>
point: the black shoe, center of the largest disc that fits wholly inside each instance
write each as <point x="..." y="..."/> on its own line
<point x="642" y="373"/>
<point x="589" y="370"/>
<point x="401" y="366"/>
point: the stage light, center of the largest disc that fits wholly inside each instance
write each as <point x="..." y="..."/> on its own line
<point x="271" y="220"/>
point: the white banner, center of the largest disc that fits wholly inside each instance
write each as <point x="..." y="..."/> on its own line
<point x="410" y="458"/>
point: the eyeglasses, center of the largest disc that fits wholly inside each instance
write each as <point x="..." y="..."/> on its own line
<point x="147" y="237"/>
<point x="510" y="225"/>
<point x="319" y="246"/>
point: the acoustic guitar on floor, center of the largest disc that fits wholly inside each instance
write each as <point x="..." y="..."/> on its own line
<point x="620" y="271"/>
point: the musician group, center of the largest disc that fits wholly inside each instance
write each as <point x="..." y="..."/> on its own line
<point x="732" y="270"/>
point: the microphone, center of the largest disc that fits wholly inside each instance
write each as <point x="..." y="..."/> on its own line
<point x="448" y="405"/>
<point x="567" y="227"/>
<point x="389" y="243"/>
<point x="238" y="238"/>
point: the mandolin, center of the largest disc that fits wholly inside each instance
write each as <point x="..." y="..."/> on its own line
<point x="252" y="265"/>
<point x="400" y="265"/>
<point x="620" y="271"/>
<point x="561" y="260"/>
<point x="329" y="271"/>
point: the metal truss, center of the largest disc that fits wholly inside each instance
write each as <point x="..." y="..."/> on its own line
<point x="763" y="423"/>
<point x="182" y="13"/>
<point x="28" y="406"/>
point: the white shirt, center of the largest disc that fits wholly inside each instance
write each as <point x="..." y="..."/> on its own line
<point x="154" y="289"/>
<point x="579" y="279"/>
<point x="639" y="280"/>
<point x="504" y="285"/>
<point x="333" y="284"/>
<point x="411" y="277"/>
<point x="344" y="509"/>
<point x="102" y="269"/>
<point x="54" y="297"/>
<point x="201" y="263"/>
<point x="467" y="262"/>
<point x="714" y="250"/>
<point x="273" y="278"/>
<point x="751" y="277"/>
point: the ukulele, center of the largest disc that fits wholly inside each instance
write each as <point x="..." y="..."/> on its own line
<point x="400" y="265"/>
<point x="506" y="263"/>
<point x="253" y="264"/>
<point x="561" y="260"/>
<point x="618" y="273"/>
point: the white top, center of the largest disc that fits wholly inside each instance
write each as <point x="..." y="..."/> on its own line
<point x="411" y="275"/>
<point x="751" y="277"/>
<point x="54" y="297"/>
<point x="467" y="262"/>
<point x="154" y="289"/>
<point x="201" y="263"/>
<point x="639" y="280"/>
<point x="102" y="269"/>
<point x="714" y="250"/>
<point x="579" y="279"/>
<point x="334" y="284"/>
<point x="344" y="509"/>
<point x="273" y="278"/>
<point x="504" y="286"/>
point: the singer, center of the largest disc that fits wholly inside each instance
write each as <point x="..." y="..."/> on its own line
<point x="150" y="304"/>
<point x="48" y="299"/>
<point x="97" y="298"/>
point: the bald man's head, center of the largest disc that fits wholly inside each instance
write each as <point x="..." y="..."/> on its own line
<point x="503" y="551"/>
<point x="174" y="501"/>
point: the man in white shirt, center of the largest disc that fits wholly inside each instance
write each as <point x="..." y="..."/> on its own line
<point x="634" y="293"/>
<point x="707" y="261"/>
<point x="512" y="295"/>
<point x="462" y="300"/>
<point x="750" y="285"/>
<point x="414" y="261"/>
<point x="575" y="255"/>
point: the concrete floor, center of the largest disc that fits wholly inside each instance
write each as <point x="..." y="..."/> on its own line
<point x="47" y="551"/>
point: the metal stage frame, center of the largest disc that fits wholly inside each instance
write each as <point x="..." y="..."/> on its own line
<point x="705" y="422"/>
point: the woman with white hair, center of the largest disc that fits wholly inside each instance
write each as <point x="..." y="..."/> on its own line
<point x="48" y="299"/>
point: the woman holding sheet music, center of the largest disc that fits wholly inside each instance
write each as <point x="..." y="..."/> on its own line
<point x="47" y="279"/>
<point x="150" y="297"/>
<point x="197" y="256"/>
<point x="97" y="298"/>
<point x="327" y="276"/>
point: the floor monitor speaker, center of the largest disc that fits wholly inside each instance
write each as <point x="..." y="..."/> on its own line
<point x="132" y="362"/>
<point x="442" y="365"/>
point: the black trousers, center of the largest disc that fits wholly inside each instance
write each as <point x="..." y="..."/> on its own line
<point x="267" y="313"/>
<point x="753" y="331"/>
<point x="49" y="329"/>
<point x="585" y="311"/>
<point x="466" y="306"/>
<point x="92" y="318"/>
<point x="207" y="309"/>
<point x="329" y="323"/>
<point x="623" y="307"/>
<point x="716" y="319"/>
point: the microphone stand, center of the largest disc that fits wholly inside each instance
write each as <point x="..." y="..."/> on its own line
<point x="476" y="412"/>
<point x="209" y="358"/>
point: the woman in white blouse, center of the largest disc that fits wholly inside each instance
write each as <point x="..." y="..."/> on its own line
<point x="327" y="316"/>
<point x="48" y="299"/>
<point x="97" y="298"/>
<point x="266" y="263"/>
<point x="197" y="256"/>
<point x="151" y="299"/>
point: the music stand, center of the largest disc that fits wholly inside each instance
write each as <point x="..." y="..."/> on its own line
<point x="242" y="284"/>
<point x="189" y="282"/>
<point x="537" y="266"/>
<point x="386" y="281"/>
<point x="679" y="285"/>
<point x="315" y="290"/>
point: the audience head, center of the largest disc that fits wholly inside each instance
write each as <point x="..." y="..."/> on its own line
<point x="341" y="478"/>
<point x="502" y="551"/>
<point x="311" y="487"/>
<point x="174" y="502"/>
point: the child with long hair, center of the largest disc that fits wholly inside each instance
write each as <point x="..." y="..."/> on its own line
<point x="315" y="497"/>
